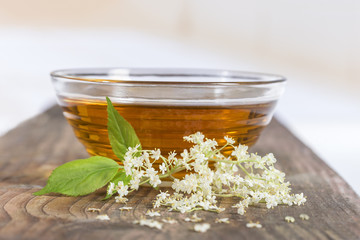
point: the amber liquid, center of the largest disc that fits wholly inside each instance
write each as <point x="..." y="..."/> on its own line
<point x="163" y="127"/>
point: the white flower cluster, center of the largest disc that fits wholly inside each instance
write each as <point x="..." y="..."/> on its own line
<point x="252" y="178"/>
<point x="139" y="165"/>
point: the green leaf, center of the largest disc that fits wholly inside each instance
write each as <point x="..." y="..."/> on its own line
<point x="120" y="176"/>
<point x="121" y="134"/>
<point x="81" y="177"/>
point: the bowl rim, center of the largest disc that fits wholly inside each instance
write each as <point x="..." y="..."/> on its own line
<point x="219" y="76"/>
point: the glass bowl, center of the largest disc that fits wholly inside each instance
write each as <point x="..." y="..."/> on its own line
<point x="163" y="105"/>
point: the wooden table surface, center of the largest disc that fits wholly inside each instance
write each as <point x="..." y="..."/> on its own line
<point x="31" y="151"/>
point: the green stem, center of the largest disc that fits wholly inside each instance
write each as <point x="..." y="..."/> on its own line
<point x="164" y="160"/>
<point x="220" y="149"/>
<point x="224" y="161"/>
<point x="228" y="195"/>
<point x="174" y="170"/>
<point x="244" y="170"/>
<point x="145" y="181"/>
<point x="195" y="209"/>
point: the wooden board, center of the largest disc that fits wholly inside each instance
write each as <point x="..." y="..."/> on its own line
<point x="31" y="151"/>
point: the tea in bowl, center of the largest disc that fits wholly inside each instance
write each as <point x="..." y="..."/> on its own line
<point x="164" y="105"/>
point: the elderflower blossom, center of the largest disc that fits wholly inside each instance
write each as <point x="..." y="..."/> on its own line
<point x="210" y="174"/>
<point x="152" y="213"/>
<point x="253" y="225"/>
<point x="163" y="168"/>
<point x="304" y="216"/>
<point x="203" y="227"/>
<point x="149" y="223"/>
<point x="222" y="220"/>
<point x="194" y="218"/>
<point x="111" y="188"/>
<point x="122" y="189"/>
<point x="125" y="208"/>
<point x="103" y="217"/>
<point x="156" y="154"/>
<point x="289" y="219"/>
<point x="119" y="199"/>
<point x="229" y="140"/>
<point x="94" y="210"/>
<point x="169" y="220"/>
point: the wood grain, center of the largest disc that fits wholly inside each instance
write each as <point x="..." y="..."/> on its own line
<point x="31" y="151"/>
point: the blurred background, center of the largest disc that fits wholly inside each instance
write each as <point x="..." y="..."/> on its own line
<point x="315" y="44"/>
